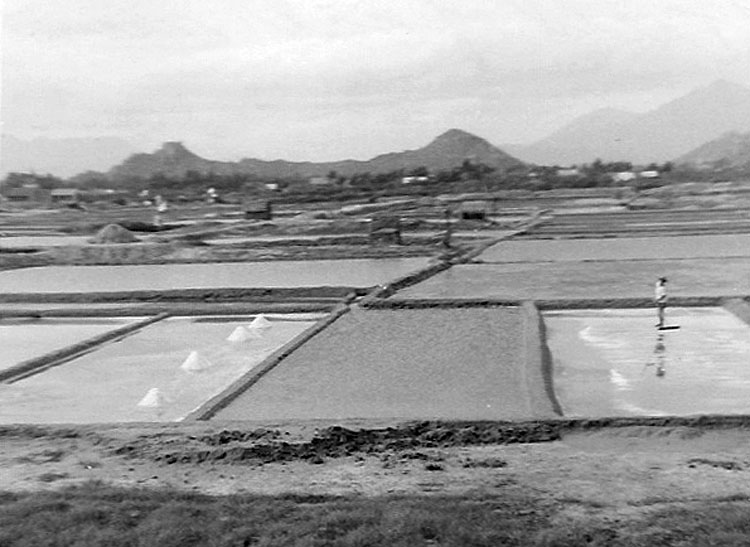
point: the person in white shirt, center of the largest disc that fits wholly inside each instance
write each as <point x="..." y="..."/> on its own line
<point x="660" y="297"/>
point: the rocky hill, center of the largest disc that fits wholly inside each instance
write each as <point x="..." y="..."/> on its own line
<point x="731" y="150"/>
<point x="172" y="159"/>
<point x="445" y="152"/>
<point x="659" y="135"/>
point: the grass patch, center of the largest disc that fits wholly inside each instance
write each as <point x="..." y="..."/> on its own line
<point x="45" y="456"/>
<point x="94" y="514"/>
<point x="52" y="477"/>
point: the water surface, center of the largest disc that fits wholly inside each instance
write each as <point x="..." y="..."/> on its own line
<point x="283" y="274"/>
<point x="23" y="339"/>
<point x="616" y="363"/>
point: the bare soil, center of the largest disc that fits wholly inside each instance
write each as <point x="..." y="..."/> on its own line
<point x="607" y="470"/>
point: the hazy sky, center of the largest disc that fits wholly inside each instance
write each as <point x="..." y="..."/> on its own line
<point x="323" y="79"/>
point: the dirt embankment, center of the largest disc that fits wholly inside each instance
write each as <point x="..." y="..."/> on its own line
<point x="176" y="253"/>
<point x="264" y="445"/>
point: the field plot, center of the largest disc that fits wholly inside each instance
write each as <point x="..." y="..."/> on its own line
<point x="289" y="273"/>
<point x="407" y="364"/>
<point x="634" y="223"/>
<point x="634" y="279"/>
<point x="15" y="242"/>
<point x="107" y="385"/>
<point x="615" y="363"/>
<point x="23" y="339"/>
<point x="654" y="248"/>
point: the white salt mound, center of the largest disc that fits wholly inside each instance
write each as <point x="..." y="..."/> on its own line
<point x="260" y="322"/>
<point x="153" y="399"/>
<point x="195" y="362"/>
<point x="240" y="334"/>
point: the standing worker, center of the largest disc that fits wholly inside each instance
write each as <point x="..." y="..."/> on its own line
<point x="660" y="297"/>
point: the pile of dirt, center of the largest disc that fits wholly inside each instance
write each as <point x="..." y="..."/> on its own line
<point x="337" y="441"/>
<point x="114" y="233"/>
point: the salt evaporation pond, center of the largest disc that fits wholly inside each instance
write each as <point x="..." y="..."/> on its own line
<point x="616" y="363"/>
<point x="20" y="242"/>
<point x="606" y="279"/>
<point x="622" y="248"/>
<point x="405" y="364"/>
<point x="107" y="384"/>
<point x="283" y="274"/>
<point x="23" y="339"/>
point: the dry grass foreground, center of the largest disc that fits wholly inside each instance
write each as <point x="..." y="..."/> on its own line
<point x="653" y="482"/>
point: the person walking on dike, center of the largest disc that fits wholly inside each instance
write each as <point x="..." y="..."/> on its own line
<point x="660" y="297"/>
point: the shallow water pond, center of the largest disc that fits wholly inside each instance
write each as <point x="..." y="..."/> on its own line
<point x="16" y="242"/>
<point x="284" y="274"/>
<point x="23" y="339"/>
<point x="616" y="363"/>
<point x="622" y="248"/>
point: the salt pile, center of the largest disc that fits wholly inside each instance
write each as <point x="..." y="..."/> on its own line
<point x="240" y="334"/>
<point x="114" y="233"/>
<point x="260" y="323"/>
<point x="153" y="399"/>
<point x="195" y="362"/>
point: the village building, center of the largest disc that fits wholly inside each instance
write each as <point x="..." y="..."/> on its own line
<point x="650" y="174"/>
<point x="415" y="180"/>
<point x="65" y="196"/>
<point x="623" y="176"/>
<point x="475" y="210"/>
<point x="568" y="172"/>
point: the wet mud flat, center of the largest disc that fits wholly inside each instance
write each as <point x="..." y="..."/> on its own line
<point x="405" y="364"/>
<point x="107" y="384"/>
<point x="616" y="363"/>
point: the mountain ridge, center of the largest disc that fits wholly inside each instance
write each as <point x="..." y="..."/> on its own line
<point x="661" y="134"/>
<point x="732" y="149"/>
<point x="446" y="151"/>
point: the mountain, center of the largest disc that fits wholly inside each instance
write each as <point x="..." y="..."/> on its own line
<point x="445" y="152"/>
<point x="731" y="150"/>
<point x="61" y="157"/>
<point x="658" y="135"/>
<point x="172" y="159"/>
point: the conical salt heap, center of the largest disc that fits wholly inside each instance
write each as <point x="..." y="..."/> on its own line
<point x="260" y="322"/>
<point x="195" y="363"/>
<point x="114" y="233"/>
<point x="153" y="399"/>
<point x="239" y="334"/>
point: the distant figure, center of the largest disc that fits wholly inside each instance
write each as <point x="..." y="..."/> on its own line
<point x="660" y="298"/>
<point x="161" y="208"/>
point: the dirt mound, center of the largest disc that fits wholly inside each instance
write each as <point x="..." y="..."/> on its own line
<point x="336" y="442"/>
<point x="114" y="233"/>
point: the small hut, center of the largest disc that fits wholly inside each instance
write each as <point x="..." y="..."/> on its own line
<point x="474" y="210"/>
<point x="258" y="210"/>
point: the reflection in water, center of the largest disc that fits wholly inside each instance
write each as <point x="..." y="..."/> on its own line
<point x="660" y="356"/>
